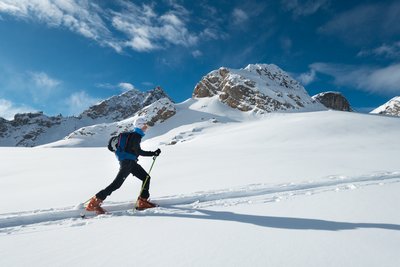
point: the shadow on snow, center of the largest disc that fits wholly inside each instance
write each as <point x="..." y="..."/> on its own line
<point x="275" y="222"/>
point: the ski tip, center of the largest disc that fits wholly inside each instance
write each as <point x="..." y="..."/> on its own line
<point x="79" y="206"/>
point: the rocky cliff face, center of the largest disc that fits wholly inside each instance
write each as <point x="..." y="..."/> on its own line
<point x="390" y="108"/>
<point x="258" y="88"/>
<point x="333" y="100"/>
<point x="124" y="106"/>
<point x="32" y="129"/>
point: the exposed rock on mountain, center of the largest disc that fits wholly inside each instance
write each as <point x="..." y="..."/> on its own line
<point x="333" y="100"/>
<point x="259" y="88"/>
<point x="159" y="111"/>
<point x="124" y="106"/>
<point x="391" y="108"/>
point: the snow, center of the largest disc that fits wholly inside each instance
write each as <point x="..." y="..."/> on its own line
<point x="288" y="189"/>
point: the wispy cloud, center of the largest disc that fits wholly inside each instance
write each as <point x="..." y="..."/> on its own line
<point x="41" y="85"/>
<point x="126" y="86"/>
<point x="197" y="53"/>
<point x="9" y="109"/>
<point x="79" y="101"/>
<point x="83" y="17"/>
<point x="308" y="77"/>
<point x="146" y="30"/>
<point x="365" y="23"/>
<point x="304" y="7"/>
<point x="37" y="86"/>
<point x="127" y="25"/>
<point x="382" y="80"/>
<point x="122" y="86"/>
<point x="239" y="16"/>
<point x="389" y="51"/>
<point x="42" y="79"/>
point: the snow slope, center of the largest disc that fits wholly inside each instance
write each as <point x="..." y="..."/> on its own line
<point x="297" y="189"/>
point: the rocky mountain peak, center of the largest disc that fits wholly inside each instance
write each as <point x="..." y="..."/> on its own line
<point x="257" y="87"/>
<point x="124" y="105"/>
<point x="333" y="100"/>
<point x="391" y="108"/>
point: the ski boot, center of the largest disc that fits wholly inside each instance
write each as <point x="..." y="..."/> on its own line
<point x="143" y="203"/>
<point x="94" y="205"/>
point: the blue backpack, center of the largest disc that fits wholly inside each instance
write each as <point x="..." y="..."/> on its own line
<point x="119" y="142"/>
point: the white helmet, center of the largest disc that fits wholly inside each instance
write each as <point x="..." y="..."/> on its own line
<point x="139" y="123"/>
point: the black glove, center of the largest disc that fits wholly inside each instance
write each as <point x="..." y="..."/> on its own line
<point x="157" y="152"/>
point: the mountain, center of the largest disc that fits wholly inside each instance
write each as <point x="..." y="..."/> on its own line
<point x="391" y="108"/>
<point x="123" y="106"/>
<point x="259" y="88"/>
<point x="32" y="129"/>
<point x="333" y="100"/>
<point x="222" y="95"/>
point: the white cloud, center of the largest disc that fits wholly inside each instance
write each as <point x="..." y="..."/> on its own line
<point x="126" y="86"/>
<point x="41" y="85"/>
<point x="41" y="79"/>
<point x="210" y="33"/>
<point x="122" y="86"/>
<point x="383" y="80"/>
<point x="80" y="16"/>
<point x="308" y="77"/>
<point x="146" y="30"/>
<point x="80" y="101"/>
<point x="140" y="27"/>
<point x="304" y="7"/>
<point x="9" y="109"/>
<point x="197" y="53"/>
<point x="239" y="16"/>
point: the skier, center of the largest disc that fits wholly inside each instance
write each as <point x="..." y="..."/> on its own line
<point x="128" y="164"/>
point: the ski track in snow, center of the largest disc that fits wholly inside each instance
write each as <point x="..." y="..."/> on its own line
<point x="257" y="193"/>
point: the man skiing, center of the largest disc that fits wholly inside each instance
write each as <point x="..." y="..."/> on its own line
<point x="128" y="158"/>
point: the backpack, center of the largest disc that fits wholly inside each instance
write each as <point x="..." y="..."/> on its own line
<point x="118" y="142"/>
<point x="113" y="143"/>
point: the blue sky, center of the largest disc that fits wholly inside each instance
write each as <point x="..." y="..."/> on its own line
<point x="62" y="56"/>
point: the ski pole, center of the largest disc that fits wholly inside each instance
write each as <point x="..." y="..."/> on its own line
<point x="148" y="176"/>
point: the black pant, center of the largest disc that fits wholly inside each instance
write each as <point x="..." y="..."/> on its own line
<point x="127" y="167"/>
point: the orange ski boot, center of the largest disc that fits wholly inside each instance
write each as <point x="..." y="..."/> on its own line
<point x="94" y="205"/>
<point x="143" y="203"/>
